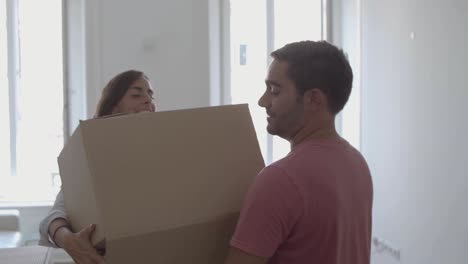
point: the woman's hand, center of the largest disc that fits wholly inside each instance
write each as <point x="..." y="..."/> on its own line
<point x="78" y="245"/>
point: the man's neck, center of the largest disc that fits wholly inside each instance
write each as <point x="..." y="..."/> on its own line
<point x="327" y="131"/>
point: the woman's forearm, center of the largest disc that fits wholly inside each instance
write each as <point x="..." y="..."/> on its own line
<point x="58" y="230"/>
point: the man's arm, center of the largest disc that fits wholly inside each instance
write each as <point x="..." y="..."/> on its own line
<point x="237" y="256"/>
<point x="270" y="211"/>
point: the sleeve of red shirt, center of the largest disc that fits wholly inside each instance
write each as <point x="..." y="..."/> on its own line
<point x="271" y="209"/>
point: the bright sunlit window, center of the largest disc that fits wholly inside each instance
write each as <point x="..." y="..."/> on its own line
<point x="256" y="29"/>
<point x="31" y="99"/>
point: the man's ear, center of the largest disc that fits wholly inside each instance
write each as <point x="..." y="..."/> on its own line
<point x="314" y="99"/>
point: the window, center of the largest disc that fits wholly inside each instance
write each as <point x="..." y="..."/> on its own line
<point x="31" y="99"/>
<point x="256" y="29"/>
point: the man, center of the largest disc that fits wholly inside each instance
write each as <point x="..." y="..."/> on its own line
<point x="315" y="204"/>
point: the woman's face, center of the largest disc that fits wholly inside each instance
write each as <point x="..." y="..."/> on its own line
<point x="138" y="98"/>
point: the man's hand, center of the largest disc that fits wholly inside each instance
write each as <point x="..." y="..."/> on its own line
<point x="79" y="246"/>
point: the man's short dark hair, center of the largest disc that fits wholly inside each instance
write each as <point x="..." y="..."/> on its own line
<point x="318" y="64"/>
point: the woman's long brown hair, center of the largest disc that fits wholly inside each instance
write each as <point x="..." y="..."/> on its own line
<point x="115" y="90"/>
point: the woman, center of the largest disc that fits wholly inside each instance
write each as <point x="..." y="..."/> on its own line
<point x="128" y="92"/>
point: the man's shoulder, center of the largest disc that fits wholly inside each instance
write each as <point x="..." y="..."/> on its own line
<point x="294" y="159"/>
<point x="280" y="167"/>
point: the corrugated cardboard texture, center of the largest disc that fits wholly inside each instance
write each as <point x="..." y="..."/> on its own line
<point x="206" y="243"/>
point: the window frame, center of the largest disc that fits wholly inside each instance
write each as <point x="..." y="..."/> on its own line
<point x="13" y="71"/>
<point x="13" y="74"/>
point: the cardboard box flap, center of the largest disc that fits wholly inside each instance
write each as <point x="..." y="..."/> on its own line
<point x="78" y="185"/>
<point x="157" y="171"/>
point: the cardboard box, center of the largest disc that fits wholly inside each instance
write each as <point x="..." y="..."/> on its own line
<point x="162" y="187"/>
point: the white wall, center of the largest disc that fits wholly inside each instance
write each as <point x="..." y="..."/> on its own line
<point x="345" y="26"/>
<point x="169" y="40"/>
<point x="414" y="126"/>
